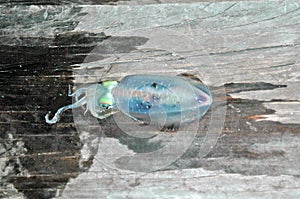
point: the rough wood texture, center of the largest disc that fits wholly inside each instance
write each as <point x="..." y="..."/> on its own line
<point x="246" y="52"/>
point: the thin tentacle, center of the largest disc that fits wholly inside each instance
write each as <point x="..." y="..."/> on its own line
<point x="77" y="93"/>
<point x="59" y="112"/>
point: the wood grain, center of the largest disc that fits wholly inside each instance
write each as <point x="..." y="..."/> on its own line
<point x="246" y="52"/>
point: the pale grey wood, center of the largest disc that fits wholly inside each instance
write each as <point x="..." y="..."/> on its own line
<point x="248" y="42"/>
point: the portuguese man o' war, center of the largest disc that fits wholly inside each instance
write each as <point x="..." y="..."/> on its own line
<point x="158" y="99"/>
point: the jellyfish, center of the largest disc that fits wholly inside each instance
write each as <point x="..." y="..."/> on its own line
<point x="145" y="98"/>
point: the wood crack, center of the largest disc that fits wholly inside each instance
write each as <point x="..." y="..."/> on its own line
<point x="259" y="21"/>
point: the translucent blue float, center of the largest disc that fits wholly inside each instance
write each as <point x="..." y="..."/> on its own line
<point x="165" y="100"/>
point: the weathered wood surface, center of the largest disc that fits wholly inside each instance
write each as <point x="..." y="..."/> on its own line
<point x="246" y="52"/>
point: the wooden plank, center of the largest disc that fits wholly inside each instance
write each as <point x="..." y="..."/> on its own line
<point x="246" y="52"/>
